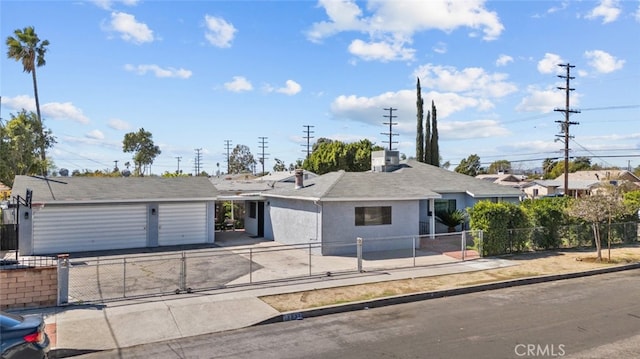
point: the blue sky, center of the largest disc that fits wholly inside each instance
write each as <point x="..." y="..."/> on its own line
<point x="198" y="73"/>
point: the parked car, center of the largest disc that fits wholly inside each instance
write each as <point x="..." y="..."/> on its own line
<point x="22" y="337"/>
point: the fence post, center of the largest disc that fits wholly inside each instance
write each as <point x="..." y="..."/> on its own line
<point x="463" y="243"/>
<point x="124" y="277"/>
<point x="481" y="243"/>
<point x="309" y="259"/>
<point x="414" y="251"/>
<point x="63" y="279"/>
<point x="250" y="265"/>
<point x="359" y="253"/>
<point x="183" y="272"/>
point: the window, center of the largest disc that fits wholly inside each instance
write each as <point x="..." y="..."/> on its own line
<point x="446" y="205"/>
<point x="371" y="216"/>
<point x="252" y="209"/>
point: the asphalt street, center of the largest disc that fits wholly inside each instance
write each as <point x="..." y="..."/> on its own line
<point x="590" y="317"/>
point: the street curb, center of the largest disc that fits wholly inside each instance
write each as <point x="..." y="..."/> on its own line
<point x="415" y="297"/>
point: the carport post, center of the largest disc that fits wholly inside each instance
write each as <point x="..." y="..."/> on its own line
<point x="414" y="251"/>
<point x="63" y="279"/>
<point x="359" y="253"/>
<point x="183" y="274"/>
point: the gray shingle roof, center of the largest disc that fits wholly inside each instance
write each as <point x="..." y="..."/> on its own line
<point x="114" y="189"/>
<point x="414" y="180"/>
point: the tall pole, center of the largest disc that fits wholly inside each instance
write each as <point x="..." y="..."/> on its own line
<point x="566" y="123"/>
<point x="198" y="161"/>
<point x="390" y="116"/>
<point x="227" y="146"/>
<point x="178" y="170"/>
<point x="308" y="137"/>
<point x="263" y="144"/>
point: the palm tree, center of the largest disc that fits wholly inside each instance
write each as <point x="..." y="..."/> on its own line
<point x="27" y="48"/>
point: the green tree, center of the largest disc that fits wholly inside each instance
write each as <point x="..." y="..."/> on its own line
<point x="601" y="207"/>
<point x="435" y="149"/>
<point x="331" y="156"/>
<point x="145" y="151"/>
<point x="547" y="166"/>
<point x="631" y="200"/>
<point x="27" y="48"/>
<point x="279" y="166"/>
<point x="499" y="222"/>
<point x="499" y="166"/>
<point x="20" y="146"/>
<point x="548" y="214"/>
<point x="420" y="120"/>
<point x="241" y="160"/>
<point x="469" y="166"/>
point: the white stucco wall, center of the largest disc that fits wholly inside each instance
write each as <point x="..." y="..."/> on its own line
<point x="292" y="221"/>
<point x="338" y="225"/>
<point x="250" y="224"/>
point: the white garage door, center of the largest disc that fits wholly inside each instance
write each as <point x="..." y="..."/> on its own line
<point x="89" y="228"/>
<point x="182" y="223"/>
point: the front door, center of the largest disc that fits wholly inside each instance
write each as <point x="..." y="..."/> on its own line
<point x="152" y="225"/>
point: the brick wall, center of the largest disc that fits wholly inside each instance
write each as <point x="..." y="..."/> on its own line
<point x="28" y="287"/>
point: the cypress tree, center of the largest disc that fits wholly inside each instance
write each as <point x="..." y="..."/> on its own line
<point x="435" y="150"/>
<point x="427" y="139"/>
<point x="419" y="133"/>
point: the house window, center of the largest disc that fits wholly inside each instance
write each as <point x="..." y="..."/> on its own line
<point x="445" y="205"/>
<point x="535" y="192"/>
<point x="252" y="209"/>
<point x="372" y="216"/>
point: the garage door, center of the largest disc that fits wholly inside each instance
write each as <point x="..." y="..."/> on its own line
<point x="182" y="223"/>
<point x="89" y="228"/>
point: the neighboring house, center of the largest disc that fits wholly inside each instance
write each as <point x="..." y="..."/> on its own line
<point x="584" y="183"/>
<point x="394" y="200"/>
<point x="542" y="188"/>
<point x="71" y="214"/>
<point x="504" y="179"/>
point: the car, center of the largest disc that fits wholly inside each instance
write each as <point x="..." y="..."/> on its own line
<point x="22" y="337"/>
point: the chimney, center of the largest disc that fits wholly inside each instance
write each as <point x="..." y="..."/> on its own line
<point x="299" y="175"/>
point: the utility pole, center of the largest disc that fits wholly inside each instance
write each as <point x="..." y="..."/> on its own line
<point x="263" y="144"/>
<point x="227" y="146"/>
<point x="390" y="116"/>
<point x="197" y="160"/>
<point x="564" y="125"/>
<point x="178" y="170"/>
<point x="308" y="137"/>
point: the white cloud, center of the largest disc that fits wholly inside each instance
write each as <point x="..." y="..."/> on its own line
<point x="107" y="4"/>
<point x="50" y="110"/>
<point x="603" y="62"/>
<point x="503" y="60"/>
<point x="545" y="100"/>
<point x="549" y="64"/>
<point x="390" y="25"/>
<point x="159" y="71"/>
<point x="608" y="10"/>
<point x="380" y="50"/>
<point x="219" y="32"/>
<point x="440" y="48"/>
<point x="95" y="135"/>
<point x="130" y="29"/>
<point x="470" y="81"/>
<point x="64" y="110"/>
<point x="118" y="124"/>
<point x="239" y="84"/>
<point x="291" y="88"/>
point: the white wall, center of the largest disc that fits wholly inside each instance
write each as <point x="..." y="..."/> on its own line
<point x="292" y="221"/>
<point x="338" y="226"/>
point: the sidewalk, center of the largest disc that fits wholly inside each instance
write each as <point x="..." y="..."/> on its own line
<point x="78" y="329"/>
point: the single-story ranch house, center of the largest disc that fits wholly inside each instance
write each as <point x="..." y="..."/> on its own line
<point x="394" y="199"/>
